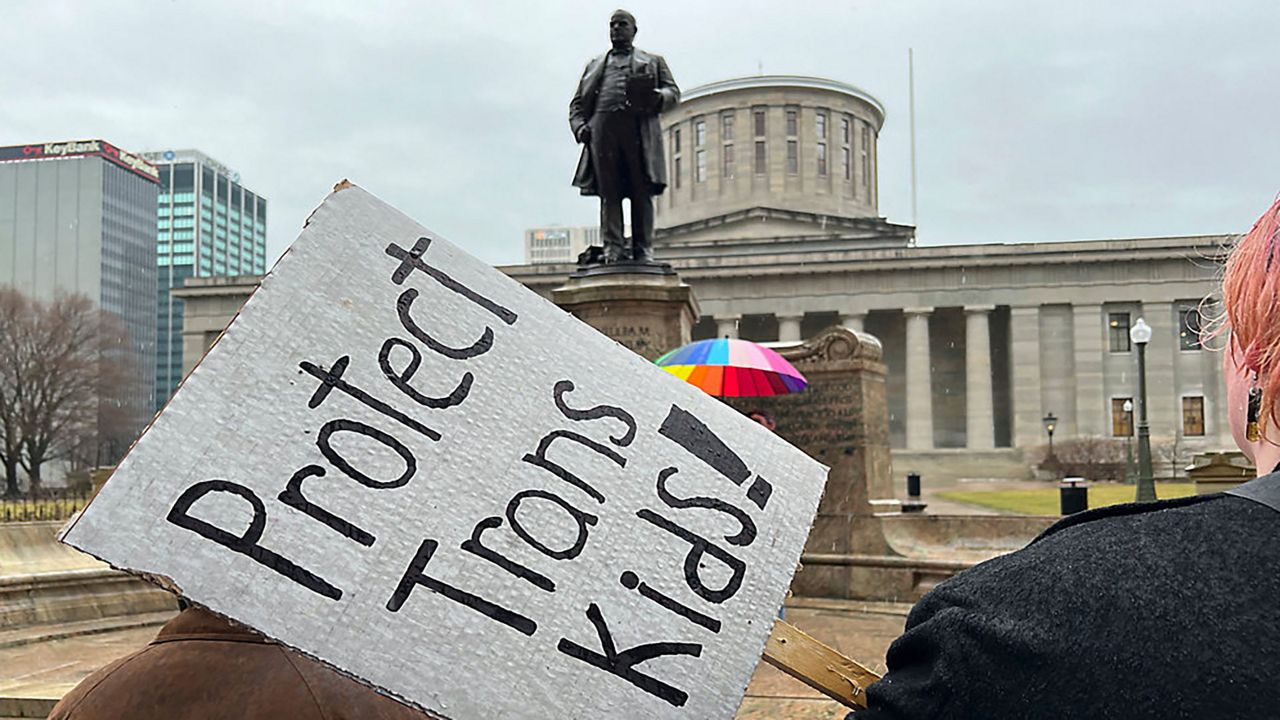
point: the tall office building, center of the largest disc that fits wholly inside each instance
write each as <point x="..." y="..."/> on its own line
<point x="557" y="244"/>
<point x="207" y="225"/>
<point x="80" y="217"/>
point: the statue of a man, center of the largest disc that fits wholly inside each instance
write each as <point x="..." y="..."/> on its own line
<point x="614" y="114"/>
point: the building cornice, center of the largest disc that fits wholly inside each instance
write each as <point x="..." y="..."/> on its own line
<point x="1208" y="249"/>
<point x="758" y="82"/>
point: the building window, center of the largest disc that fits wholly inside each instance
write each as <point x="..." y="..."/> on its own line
<point x="1121" y="419"/>
<point x="759" y="122"/>
<point x="726" y="128"/>
<point x="822" y="159"/>
<point x="675" y="159"/>
<point x="700" y="166"/>
<point x="844" y="163"/>
<point x="1193" y="415"/>
<point x="792" y="122"/>
<point x="820" y="125"/>
<point x="793" y="157"/>
<point x="1189" y="329"/>
<point x="699" y="133"/>
<point x="865" y="159"/>
<point x="844" y="130"/>
<point x="728" y="161"/>
<point x="1118" y="332"/>
<point x="760" y="158"/>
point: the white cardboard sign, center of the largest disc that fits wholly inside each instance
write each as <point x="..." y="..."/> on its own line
<point x="404" y="463"/>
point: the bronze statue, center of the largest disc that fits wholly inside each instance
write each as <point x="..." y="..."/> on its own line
<point x="614" y="114"/>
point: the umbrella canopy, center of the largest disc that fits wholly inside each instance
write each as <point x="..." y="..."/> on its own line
<point x="728" y="367"/>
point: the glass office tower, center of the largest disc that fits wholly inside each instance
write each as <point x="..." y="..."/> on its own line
<point x="207" y="225"/>
<point x="80" y="217"/>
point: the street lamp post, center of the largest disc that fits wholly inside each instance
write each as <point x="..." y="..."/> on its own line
<point x="1128" y="441"/>
<point x="1050" y="424"/>
<point x="1140" y="334"/>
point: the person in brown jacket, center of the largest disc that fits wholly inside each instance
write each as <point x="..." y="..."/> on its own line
<point x="203" y="667"/>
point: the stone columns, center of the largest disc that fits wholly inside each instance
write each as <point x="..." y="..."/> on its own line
<point x="1092" y="412"/>
<point x="853" y="321"/>
<point x="727" y="326"/>
<point x="979" y="410"/>
<point x="1024" y="359"/>
<point x="789" y="328"/>
<point x="919" y="380"/>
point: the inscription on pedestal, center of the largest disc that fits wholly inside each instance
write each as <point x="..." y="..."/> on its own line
<point x="648" y="314"/>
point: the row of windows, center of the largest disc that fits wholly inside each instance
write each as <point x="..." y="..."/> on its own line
<point x="1192" y="416"/>
<point x="1189" y="331"/>
<point x="181" y="197"/>
<point x="728" y="159"/>
<point x="166" y="260"/>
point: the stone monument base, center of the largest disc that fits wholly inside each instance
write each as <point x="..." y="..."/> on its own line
<point x="649" y="312"/>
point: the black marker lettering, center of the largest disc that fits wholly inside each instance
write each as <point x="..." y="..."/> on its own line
<point x="631" y="581"/>
<point x="747" y="532"/>
<point x="595" y="413"/>
<point x="247" y="542"/>
<point x="413" y="577"/>
<point x="539" y="458"/>
<point x="411" y="260"/>
<point x="699" y="548"/>
<point x="359" y="428"/>
<point x="691" y="434"/>
<point x="623" y="663"/>
<point x="293" y="497"/>
<point x="581" y="518"/>
<point x="759" y="492"/>
<point x="400" y="378"/>
<point x="476" y="547"/>
<point x="403" y="306"/>
<point x="330" y="379"/>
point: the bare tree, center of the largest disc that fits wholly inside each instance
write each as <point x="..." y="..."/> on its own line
<point x="15" y="314"/>
<point x="65" y="381"/>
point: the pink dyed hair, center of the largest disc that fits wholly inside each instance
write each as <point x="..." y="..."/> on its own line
<point x="1251" y="296"/>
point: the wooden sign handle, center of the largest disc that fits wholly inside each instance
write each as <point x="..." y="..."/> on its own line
<point x="818" y="666"/>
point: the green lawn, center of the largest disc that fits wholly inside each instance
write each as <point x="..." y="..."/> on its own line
<point x="1044" y="501"/>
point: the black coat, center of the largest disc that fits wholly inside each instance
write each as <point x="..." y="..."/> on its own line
<point x="583" y="106"/>
<point x="1162" y="610"/>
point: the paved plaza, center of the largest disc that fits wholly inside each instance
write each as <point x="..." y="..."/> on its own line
<point x="863" y="631"/>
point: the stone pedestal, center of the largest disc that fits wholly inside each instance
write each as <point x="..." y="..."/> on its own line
<point x="842" y="421"/>
<point x="650" y="313"/>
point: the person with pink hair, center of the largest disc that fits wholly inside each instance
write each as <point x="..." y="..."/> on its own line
<point x="1147" y="610"/>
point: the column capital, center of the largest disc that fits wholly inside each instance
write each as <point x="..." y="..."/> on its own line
<point x="971" y="309"/>
<point x="727" y="317"/>
<point x="922" y="310"/>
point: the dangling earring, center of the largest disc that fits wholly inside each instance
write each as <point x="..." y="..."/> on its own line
<point x="1252" y="430"/>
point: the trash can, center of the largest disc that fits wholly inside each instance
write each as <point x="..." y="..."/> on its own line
<point x="913" y="485"/>
<point x="1073" y="495"/>
<point x="913" y="502"/>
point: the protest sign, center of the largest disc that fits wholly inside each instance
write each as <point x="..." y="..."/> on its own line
<point x="401" y="462"/>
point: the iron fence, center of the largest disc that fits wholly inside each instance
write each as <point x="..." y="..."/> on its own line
<point x="47" y="504"/>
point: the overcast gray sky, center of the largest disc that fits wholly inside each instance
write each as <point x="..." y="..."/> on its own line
<point x="1035" y="120"/>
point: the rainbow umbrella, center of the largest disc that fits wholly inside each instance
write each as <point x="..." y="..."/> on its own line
<point x="727" y="367"/>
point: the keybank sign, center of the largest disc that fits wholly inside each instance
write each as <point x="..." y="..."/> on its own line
<point x="81" y="148"/>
